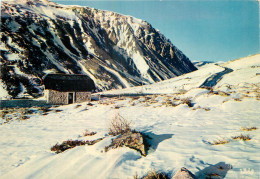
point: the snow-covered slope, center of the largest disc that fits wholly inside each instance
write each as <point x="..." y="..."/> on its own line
<point x="243" y="73"/>
<point x="116" y="51"/>
<point x="181" y="133"/>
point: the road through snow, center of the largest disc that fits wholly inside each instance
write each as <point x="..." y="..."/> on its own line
<point x="215" y="78"/>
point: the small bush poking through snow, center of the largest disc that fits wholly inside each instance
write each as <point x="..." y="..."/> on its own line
<point x="126" y="136"/>
<point x="248" y="128"/>
<point x="119" y="125"/>
<point x="242" y="137"/>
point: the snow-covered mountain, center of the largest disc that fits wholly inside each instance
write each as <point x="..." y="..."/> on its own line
<point x="116" y="51"/>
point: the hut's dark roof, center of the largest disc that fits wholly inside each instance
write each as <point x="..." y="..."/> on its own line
<point x="65" y="82"/>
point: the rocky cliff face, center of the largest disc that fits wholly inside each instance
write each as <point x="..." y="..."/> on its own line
<point x="116" y="51"/>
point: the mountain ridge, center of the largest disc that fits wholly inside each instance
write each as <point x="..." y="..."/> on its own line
<point x="116" y="51"/>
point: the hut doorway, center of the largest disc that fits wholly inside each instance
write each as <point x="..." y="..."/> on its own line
<point x="70" y="98"/>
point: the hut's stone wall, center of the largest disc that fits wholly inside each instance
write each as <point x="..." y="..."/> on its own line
<point x="82" y="97"/>
<point x="57" y="97"/>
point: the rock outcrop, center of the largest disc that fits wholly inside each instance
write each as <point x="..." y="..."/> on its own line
<point x="183" y="173"/>
<point x="130" y="139"/>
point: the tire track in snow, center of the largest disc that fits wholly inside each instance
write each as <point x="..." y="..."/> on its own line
<point x="215" y="78"/>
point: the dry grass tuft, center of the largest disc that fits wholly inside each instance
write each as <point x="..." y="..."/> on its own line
<point x="119" y="125"/>
<point x="237" y="99"/>
<point x="242" y="137"/>
<point x="79" y="105"/>
<point x="25" y="117"/>
<point x="153" y="175"/>
<point x="45" y="109"/>
<point x="9" y="114"/>
<point x="117" y="107"/>
<point x="58" y="148"/>
<point x="88" y="133"/>
<point x="206" y="109"/>
<point x="65" y="145"/>
<point x="135" y="97"/>
<point x="248" y="128"/>
<point x="119" y="98"/>
<point x="219" y="142"/>
<point x="169" y="103"/>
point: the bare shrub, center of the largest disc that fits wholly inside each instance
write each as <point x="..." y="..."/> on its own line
<point x="248" y="128"/>
<point x="242" y="137"/>
<point x="187" y="101"/>
<point x="119" y="125"/>
<point x="88" y="133"/>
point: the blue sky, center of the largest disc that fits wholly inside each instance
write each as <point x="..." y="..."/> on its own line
<point x="202" y="30"/>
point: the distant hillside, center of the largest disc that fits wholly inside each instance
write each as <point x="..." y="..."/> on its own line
<point x="199" y="64"/>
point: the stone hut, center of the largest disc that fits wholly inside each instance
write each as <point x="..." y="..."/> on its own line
<point x="67" y="89"/>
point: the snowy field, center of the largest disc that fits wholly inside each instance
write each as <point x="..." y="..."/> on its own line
<point x="182" y="134"/>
